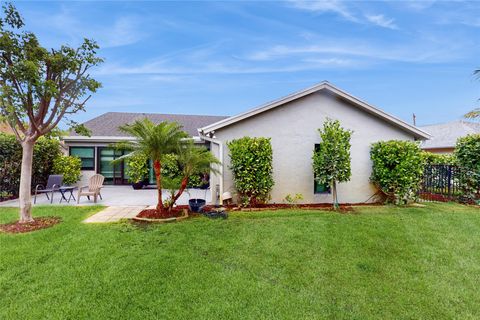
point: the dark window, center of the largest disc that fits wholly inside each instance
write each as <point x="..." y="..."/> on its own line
<point x="86" y="154"/>
<point x="317" y="186"/>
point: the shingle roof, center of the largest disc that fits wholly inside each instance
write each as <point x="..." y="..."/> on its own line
<point x="107" y="124"/>
<point x="445" y="135"/>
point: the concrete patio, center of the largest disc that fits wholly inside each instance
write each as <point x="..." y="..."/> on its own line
<point x="118" y="196"/>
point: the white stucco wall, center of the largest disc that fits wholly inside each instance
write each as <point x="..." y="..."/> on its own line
<point x="293" y="132"/>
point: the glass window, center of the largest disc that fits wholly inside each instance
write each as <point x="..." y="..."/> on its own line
<point x="317" y="186"/>
<point x="86" y="154"/>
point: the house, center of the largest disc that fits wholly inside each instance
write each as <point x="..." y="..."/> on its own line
<point x="96" y="151"/>
<point x="445" y="135"/>
<point x="291" y="122"/>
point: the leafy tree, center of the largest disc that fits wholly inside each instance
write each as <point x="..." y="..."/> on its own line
<point x="251" y="165"/>
<point x="397" y="169"/>
<point x="39" y="88"/>
<point x="157" y="141"/>
<point x="331" y="161"/>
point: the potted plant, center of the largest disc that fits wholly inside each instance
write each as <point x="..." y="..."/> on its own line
<point x="137" y="170"/>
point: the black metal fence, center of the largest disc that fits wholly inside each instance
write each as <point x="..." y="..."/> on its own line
<point x="443" y="183"/>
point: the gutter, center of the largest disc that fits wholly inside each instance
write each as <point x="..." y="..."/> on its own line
<point x="108" y="139"/>
<point x="220" y="151"/>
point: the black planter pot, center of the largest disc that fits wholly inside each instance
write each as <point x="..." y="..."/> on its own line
<point x="196" y="204"/>
<point x="137" y="185"/>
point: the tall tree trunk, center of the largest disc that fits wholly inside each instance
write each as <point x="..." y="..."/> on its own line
<point x="157" y="167"/>
<point x="25" y="194"/>
<point x="183" y="186"/>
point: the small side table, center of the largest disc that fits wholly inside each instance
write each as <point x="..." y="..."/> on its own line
<point x="67" y="190"/>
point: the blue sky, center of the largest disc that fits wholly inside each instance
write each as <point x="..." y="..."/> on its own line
<point x="225" y="57"/>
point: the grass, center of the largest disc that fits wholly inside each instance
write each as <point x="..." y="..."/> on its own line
<point x="382" y="263"/>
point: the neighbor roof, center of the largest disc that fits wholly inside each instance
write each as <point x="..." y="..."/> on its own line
<point x="325" y="85"/>
<point x="107" y="124"/>
<point x="445" y="135"/>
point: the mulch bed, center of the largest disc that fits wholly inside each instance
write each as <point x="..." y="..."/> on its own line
<point x="275" y="206"/>
<point x="153" y="214"/>
<point x="38" y="224"/>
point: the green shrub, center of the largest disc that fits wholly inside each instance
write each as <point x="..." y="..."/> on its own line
<point x="435" y="158"/>
<point x="467" y="152"/>
<point x="170" y="167"/>
<point x="397" y="169"/>
<point x="68" y="166"/>
<point x="136" y="167"/>
<point x="171" y="170"/>
<point x="44" y="152"/>
<point x="251" y="165"/>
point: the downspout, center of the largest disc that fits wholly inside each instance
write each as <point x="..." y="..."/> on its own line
<point x="220" y="151"/>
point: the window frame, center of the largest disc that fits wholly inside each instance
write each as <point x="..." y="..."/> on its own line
<point x="81" y="158"/>
<point x="315" y="182"/>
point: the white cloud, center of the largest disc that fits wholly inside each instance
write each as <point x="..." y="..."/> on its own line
<point x="335" y="6"/>
<point x="381" y="21"/>
<point x="340" y="7"/>
<point x="124" y="30"/>
<point x="421" y="51"/>
<point x="419" y="5"/>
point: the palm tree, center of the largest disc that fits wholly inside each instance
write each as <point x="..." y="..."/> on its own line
<point x="156" y="141"/>
<point x="192" y="161"/>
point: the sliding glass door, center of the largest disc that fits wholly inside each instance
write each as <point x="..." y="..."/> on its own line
<point x="113" y="173"/>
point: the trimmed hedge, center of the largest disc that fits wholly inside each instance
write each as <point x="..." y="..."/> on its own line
<point x="467" y="152"/>
<point x="397" y="169"/>
<point x="251" y="165"/>
<point x="44" y="153"/>
<point x="435" y="158"/>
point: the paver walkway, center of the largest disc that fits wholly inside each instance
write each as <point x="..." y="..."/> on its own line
<point x="114" y="214"/>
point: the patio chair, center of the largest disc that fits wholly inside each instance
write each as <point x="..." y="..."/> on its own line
<point x="94" y="187"/>
<point x="54" y="183"/>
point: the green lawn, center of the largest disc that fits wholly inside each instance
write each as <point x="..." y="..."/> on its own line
<point x="382" y="263"/>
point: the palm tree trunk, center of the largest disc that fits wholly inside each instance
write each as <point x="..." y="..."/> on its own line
<point x="183" y="186"/>
<point x="157" y="167"/>
<point x="25" y="195"/>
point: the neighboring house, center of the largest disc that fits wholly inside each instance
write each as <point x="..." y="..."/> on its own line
<point x="445" y="135"/>
<point x="96" y="151"/>
<point x="292" y="124"/>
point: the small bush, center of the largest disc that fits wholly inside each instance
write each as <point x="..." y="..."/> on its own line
<point x="251" y="165"/>
<point x="69" y="167"/>
<point x="293" y="200"/>
<point x="467" y="152"/>
<point x="173" y="172"/>
<point x="397" y="169"/>
<point x="137" y="167"/>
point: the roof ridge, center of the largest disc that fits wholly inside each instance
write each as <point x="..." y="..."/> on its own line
<point x="163" y="114"/>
